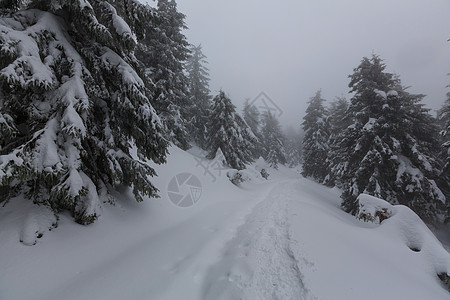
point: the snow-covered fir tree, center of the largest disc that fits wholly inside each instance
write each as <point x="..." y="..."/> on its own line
<point x="419" y="136"/>
<point x="272" y="140"/>
<point x="164" y="51"/>
<point x="73" y="104"/>
<point x="337" y="117"/>
<point x="252" y="117"/>
<point x="389" y="150"/>
<point x="293" y="146"/>
<point x="337" y="121"/>
<point x="444" y="178"/>
<point x="315" y="142"/>
<point x="199" y="95"/>
<point x="229" y="133"/>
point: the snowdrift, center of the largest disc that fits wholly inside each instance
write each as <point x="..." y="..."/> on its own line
<point x="400" y="222"/>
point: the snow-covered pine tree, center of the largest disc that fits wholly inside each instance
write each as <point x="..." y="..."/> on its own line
<point x="417" y="187"/>
<point x="293" y="146"/>
<point x="338" y="121"/>
<point x="72" y="104"/>
<point x="229" y="133"/>
<point x="164" y="51"/>
<point x="315" y="142"/>
<point x="272" y="139"/>
<point x="444" y="178"/>
<point x="252" y="117"/>
<point x="389" y="151"/>
<point x="337" y="117"/>
<point x="199" y="95"/>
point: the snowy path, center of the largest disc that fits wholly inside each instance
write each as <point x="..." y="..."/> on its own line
<point x="258" y="263"/>
<point x="159" y="266"/>
<point x="298" y="244"/>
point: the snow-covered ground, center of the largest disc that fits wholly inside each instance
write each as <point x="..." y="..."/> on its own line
<point x="282" y="238"/>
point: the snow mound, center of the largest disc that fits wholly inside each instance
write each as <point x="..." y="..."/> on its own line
<point x="260" y="164"/>
<point x="253" y="173"/>
<point x="380" y="93"/>
<point x="256" y="172"/>
<point x="392" y="93"/>
<point x="402" y="223"/>
<point x="36" y="221"/>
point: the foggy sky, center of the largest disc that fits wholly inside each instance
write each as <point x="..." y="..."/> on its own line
<point x="291" y="48"/>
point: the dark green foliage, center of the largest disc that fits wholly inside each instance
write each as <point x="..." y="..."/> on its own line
<point x="315" y="142"/>
<point x="390" y="149"/>
<point x="338" y="121"/>
<point x="264" y="174"/>
<point x="445" y="278"/>
<point x="293" y="146"/>
<point x="199" y="95"/>
<point x="272" y="140"/>
<point x="444" y="178"/>
<point x="337" y="117"/>
<point x="252" y="117"/>
<point x="236" y="178"/>
<point x="74" y="103"/>
<point x="163" y="52"/>
<point x="13" y="5"/>
<point x="229" y="133"/>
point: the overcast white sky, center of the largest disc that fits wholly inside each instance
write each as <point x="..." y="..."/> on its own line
<point x="291" y="48"/>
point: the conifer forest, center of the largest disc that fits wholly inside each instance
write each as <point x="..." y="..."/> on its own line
<point x="129" y="170"/>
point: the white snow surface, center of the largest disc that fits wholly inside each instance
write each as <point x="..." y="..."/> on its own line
<point x="380" y="93"/>
<point x="122" y="28"/>
<point x="369" y="125"/>
<point x="392" y="93"/>
<point x="282" y="238"/>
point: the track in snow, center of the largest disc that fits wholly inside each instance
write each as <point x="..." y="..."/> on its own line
<point x="258" y="263"/>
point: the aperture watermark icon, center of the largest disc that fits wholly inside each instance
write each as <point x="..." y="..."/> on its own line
<point x="184" y="190"/>
<point x="265" y="104"/>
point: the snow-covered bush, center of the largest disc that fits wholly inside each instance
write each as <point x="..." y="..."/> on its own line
<point x="238" y="177"/>
<point x="445" y="278"/>
<point x="235" y="178"/>
<point x="264" y="174"/>
<point x="372" y="209"/>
